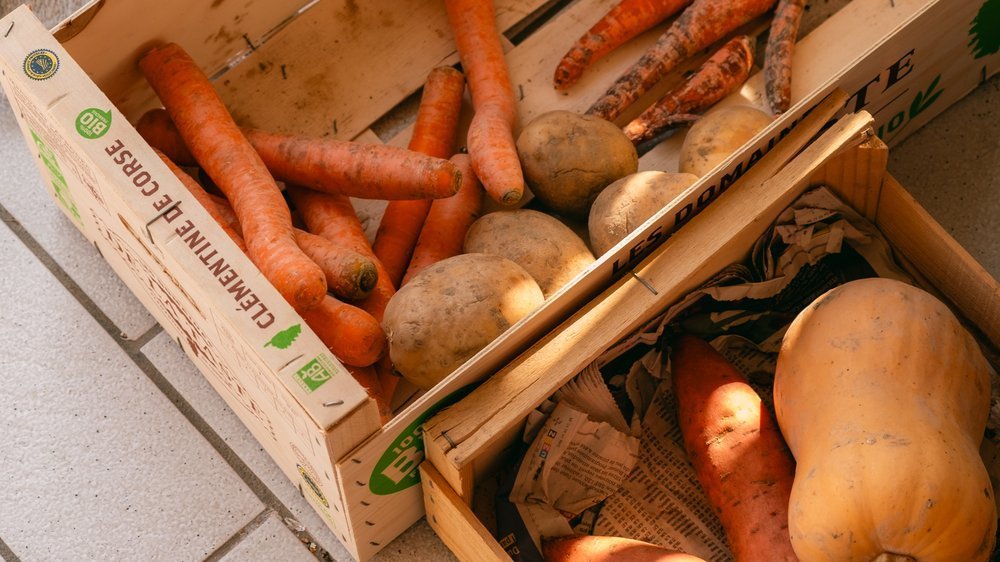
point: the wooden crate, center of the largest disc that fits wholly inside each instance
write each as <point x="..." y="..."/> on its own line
<point x="343" y="69"/>
<point x="466" y="442"/>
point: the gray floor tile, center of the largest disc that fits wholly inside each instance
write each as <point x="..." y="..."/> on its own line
<point x="269" y="542"/>
<point x="96" y="463"/>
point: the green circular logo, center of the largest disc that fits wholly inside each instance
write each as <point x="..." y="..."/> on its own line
<point x="92" y="123"/>
<point x="41" y="64"/>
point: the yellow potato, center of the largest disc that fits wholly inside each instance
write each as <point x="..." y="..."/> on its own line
<point x="453" y="309"/>
<point x="625" y="204"/>
<point x="547" y="249"/>
<point x="717" y="135"/>
<point x="569" y="158"/>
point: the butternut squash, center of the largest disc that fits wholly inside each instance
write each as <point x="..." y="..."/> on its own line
<point x="882" y="397"/>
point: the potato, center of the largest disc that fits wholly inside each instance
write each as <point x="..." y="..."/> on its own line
<point x="546" y="248"/>
<point x="625" y="204"/>
<point x="568" y="159"/>
<point x="451" y="310"/>
<point x="717" y="135"/>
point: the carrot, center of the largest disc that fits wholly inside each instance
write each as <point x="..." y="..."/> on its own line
<point x="433" y="134"/>
<point x="160" y="132"/>
<point x="370" y="171"/>
<point x="449" y="219"/>
<point x="368" y="378"/>
<point x="206" y="199"/>
<point x="491" y="133"/>
<point x="351" y="334"/>
<point x="721" y="74"/>
<point x="349" y="274"/>
<point x="625" y="21"/>
<point x="778" y="54"/>
<point x="701" y="24"/>
<point x="737" y="451"/>
<point x="221" y="149"/>
<point x="579" y="548"/>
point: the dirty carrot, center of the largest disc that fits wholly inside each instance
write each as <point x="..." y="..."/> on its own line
<point x="333" y="217"/>
<point x="206" y="199"/>
<point x="370" y="171"/>
<point x="623" y="22"/>
<point x="160" y="132"/>
<point x="491" y="136"/>
<point x="434" y="134"/>
<point x="351" y="334"/>
<point x="778" y="54"/>
<point x="721" y="74"/>
<point x="221" y="149"/>
<point x="349" y="274"/>
<point x="736" y="449"/>
<point x="701" y="24"/>
<point x="449" y="219"/>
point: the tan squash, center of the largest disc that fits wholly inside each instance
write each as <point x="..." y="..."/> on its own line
<point x="882" y="397"/>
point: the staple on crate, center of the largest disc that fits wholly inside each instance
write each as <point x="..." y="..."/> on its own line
<point x="158" y="216"/>
<point x="329" y="403"/>
<point x="645" y="283"/>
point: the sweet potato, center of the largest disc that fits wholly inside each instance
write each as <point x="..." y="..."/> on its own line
<point x="737" y="451"/>
<point x="584" y="548"/>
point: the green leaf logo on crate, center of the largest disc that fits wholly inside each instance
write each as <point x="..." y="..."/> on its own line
<point x="41" y="64"/>
<point x="396" y="470"/>
<point x="920" y="103"/>
<point x="985" y="31"/>
<point x="315" y="373"/>
<point x="285" y="338"/>
<point x="92" y="123"/>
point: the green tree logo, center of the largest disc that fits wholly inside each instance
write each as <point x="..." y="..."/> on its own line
<point x="285" y="338"/>
<point x="985" y="30"/>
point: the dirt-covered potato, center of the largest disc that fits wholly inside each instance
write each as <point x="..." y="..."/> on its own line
<point x="451" y="310"/>
<point x="717" y="135"/>
<point x="546" y="248"/>
<point x="625" y="204"/>
<point x="569" y="158"/>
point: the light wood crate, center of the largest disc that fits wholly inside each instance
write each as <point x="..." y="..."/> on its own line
<point x="467" y="442"/>
<point x="343" y="69"/>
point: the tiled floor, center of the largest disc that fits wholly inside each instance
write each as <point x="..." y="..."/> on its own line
<point x="113" y="447"/>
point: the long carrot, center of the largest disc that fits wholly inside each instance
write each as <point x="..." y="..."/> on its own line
<point x="625" y="21"/>
<point x="448" y="221"/>
<point x="701" y="24"/>
<point x="737" y="451"/>
<point x="351" y="334"/>
<point x="778" y="54"/>
<point x="491" y="133"/>
<point x="222" y="150"/>
<point x="721" y="74"/>
<point x="206" y="199"/>
<point x="434" y="134"/>
<point x="370" y="171"/>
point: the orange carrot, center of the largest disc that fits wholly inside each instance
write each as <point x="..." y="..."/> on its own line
<point x="221" y="149"/>
<point x="368" y="378"/>
<point x="370" y="171"/>
<point x="778" y="54"/>
<point x="160" y="132"/>
<point x="448" y="221"/>
<point x="206" y="199"/>
<point x="737" y="451"/>
<point x="723" y="73"/>
<point x="351" y="334"/>
<point x="491" y="136"/>
<point x="625" y="21"/>
<point x="433" y="134"/>
<point x="349" y="274"/>
<point x="702" y="23"/>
